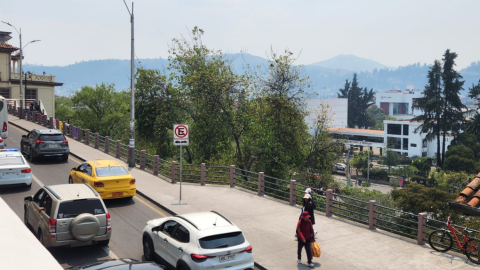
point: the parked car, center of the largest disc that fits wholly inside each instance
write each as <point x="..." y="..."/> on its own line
<point x="14" y="169"/>
<point x="205" y="240"/>
<point x="118" y="264"/>
<point x="2" y="143"/>
<point x="45" y="143"/>
<point x="108" y="177"/>
<point x="68" y="215"/>
<point x="341" y="166"/>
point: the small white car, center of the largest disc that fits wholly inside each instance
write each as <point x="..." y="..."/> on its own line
<point x="14" y="169"/>
<point x="2" y="143"/>
<point x="341" y="166"/>
<point x="205" y="240"/>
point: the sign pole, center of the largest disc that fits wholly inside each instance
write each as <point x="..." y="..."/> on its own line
<point x="180" y="174"/>
<point x="180" y="138"/>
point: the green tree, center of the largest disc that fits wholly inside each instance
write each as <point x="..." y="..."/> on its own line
<point x="472" y="126"/>
<point x="377" y="115"/>
<point x="460" y="158"/>
<point x="358" y="102"/>
<point x="360" y="161"/>
<point x="391" y="158"/>
<point x="468" y="140"/>
<point x="423" y="166"/>
<point x="64" y="108"/>
<point x="104" y="110"/>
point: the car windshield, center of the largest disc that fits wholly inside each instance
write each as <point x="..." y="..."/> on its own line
<point x="111" y="171"/>
<point x="52" y="137"/>
<point x="222" y="240"/>
<point x="10" y="160"/>
<point x="74" y="208"/>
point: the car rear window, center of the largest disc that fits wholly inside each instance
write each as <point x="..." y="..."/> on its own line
<point x="74" y="208"/>
<point x="222" y="240"/>
<point x="11" y="160"/>
<point x="110" y="171"/>
<point x="52" y="137"/>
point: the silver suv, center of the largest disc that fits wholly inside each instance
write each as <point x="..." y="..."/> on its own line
<point x="68" y="215"/>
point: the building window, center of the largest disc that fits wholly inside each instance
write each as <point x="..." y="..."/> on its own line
<point x="405" y="143"/>
<point x="405" y="130"/>
<point x="394" y="129"/>
<point x="394" y="143"/>
<point x="424" y="143"/>
<point x="413" y="145"/>
<point x="31" y="94"/>
<point x="5" y="92"/>
<point x="400" y="108"/>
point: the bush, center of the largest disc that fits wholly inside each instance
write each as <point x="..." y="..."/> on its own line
<point x="418" y="179"/>
<point x="376" y="173"/>
<point x="366" y="184"/>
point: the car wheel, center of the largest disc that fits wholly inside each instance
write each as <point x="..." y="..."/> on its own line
<point x="70" y="180"/>
<point x="148" y="249"/>
<point x="31" y="157"/>
<point x="40" y="237"/>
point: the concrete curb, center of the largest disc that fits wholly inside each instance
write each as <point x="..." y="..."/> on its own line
<point x="138" y="191"/>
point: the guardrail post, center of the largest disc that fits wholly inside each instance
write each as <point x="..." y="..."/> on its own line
<point x="118" y="148"/>
<point x="422" y="224"/>
<point x="45" y="120"/>
<point x="87" y="136"/>
<point x="372" y="215"/>
<point x="51" y="122"/>
<point x="203" y="174"/>
<point x="79" y="134"/>
<point x="96" y="140"/>
<point x="174" y="172"/>
<point x="70" y="130"/>
<point x="232" y="176"/>
<point x="64" y="128"/>
<point x="156" y="163"/>
<point x="261" y="184"/>
<point x="328" y="203"/>
<point x="107" y="145"/>
<point x="293" y="192"/>
<point x="142" y="159"/>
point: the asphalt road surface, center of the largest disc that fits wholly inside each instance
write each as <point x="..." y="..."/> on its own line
<point x="128" y="216"/>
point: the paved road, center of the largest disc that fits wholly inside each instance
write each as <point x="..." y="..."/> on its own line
<point x="128" y="217"/>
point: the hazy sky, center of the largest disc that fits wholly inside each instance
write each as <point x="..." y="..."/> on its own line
<point x="392" y="32"/>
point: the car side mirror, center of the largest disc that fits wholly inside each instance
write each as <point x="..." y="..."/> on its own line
<point x="156" y="229"/>
<point x="24" y="136"/>
<point x="28" y="198"/>
<point x="74" y="168"/>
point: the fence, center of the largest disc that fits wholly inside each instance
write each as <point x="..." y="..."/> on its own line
<point x="415" y="226"/>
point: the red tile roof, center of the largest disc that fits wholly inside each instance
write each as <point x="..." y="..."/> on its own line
<point x="7" y="47"/>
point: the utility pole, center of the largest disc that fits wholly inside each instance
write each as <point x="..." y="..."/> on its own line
<point x="131" y="146"/>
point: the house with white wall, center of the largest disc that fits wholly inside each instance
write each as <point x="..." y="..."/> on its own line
<point x="398" y="103"/>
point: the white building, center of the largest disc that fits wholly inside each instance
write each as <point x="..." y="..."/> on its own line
<point x="337" y="110"/>
<point x="398" y="103"/>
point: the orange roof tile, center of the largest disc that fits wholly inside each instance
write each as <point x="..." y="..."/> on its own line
<point x="7" y="47"/>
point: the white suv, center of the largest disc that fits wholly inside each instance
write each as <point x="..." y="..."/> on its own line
<point x="205" y="240"/>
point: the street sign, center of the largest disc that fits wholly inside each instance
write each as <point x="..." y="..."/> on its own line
<point x="180" y="135"/>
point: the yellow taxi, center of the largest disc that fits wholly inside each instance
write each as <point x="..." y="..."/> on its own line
<point x="108" y="177"/>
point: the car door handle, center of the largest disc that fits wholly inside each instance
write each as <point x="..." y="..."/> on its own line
<point x="165" y="240"/>
<point x="181" y="249"/>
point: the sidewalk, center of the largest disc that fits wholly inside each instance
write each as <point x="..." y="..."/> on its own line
<point x="269" y="225"/>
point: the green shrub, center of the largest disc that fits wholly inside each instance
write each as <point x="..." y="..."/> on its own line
<point x="366" y="184"/>
<point x="418" y="179"/>
<point x="376" y="173"/>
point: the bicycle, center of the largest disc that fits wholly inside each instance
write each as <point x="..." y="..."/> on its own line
<point x="441" y="240"/>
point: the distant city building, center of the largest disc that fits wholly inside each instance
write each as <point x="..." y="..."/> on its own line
<point x="337" y="111"/>
<point x="398" y="103"/>
<point x="39" y="88"/>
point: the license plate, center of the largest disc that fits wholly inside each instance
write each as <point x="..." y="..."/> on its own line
<point x="52" y="146"/>
<point x="117" y="194"/>
<point x="226" y="258"/>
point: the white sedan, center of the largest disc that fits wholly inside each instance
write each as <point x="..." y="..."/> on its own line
<point x="14" y="169"/>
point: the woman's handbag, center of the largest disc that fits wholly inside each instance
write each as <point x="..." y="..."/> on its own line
<point x="316" y="252"/>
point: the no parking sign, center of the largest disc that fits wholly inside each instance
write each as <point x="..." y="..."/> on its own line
<point x="180" y="135"/>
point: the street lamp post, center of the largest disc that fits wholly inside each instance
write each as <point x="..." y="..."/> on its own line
<point x="131" y="147"/>
<point x="20" y="67"/>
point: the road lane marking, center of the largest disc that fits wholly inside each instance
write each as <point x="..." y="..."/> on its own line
<point x="149" y="206"/>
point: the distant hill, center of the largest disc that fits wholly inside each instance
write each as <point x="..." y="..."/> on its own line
<point x="380" y="79"/>
<point x="349" y="62"/>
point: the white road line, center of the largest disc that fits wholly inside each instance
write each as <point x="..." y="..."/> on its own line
<point x="106" y="249"/>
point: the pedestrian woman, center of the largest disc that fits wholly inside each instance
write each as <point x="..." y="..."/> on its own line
<point x="309" y="206"/>
<point x="305" y="238"/>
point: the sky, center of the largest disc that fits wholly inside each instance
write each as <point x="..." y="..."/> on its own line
<point x="391" y="32"/>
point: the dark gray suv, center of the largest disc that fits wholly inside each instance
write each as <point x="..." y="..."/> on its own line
<point x="45" y="143"/>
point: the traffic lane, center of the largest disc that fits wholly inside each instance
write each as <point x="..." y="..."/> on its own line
<point x="128" y="216"/>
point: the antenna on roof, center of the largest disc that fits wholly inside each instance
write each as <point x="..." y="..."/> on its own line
<point x="215" y="224"/>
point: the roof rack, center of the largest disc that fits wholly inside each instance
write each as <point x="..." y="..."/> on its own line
<point x="53" y="192"/>
<point x="189" y="222"/>
<point x="94" y="191"/>
<point x="222" y="216"/>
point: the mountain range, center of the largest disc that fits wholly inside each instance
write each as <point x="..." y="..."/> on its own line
<point x="330" y="74"/>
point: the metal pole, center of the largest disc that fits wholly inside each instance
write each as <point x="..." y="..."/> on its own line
<point x="368" y="164"/>
<point x="21" y="76"/>
<point x="131" y="161"/>
<point x="180" y="174"/>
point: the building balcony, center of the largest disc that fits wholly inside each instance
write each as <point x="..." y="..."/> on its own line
<point x="34" y="77"/>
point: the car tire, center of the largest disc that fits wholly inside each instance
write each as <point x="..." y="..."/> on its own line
<point x="70" y="180"/>
<point x="79" y="229"/>
<point x="31" y="157"/>
<point x="148" y="250"/>
<point x="40" y="237"/>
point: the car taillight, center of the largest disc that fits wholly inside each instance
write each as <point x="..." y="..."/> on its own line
<point x="26" y="170"/>
<point x="98" y="184"/>
<point x="1" y="140"/>
<point x="132" y="181"/>
<point x="109" y="222"/>
<point x="38" y="142"/>
<point x="248" y="249"/>
<point x="200" y="258"/>
<point x="4" y="126"/>
<point x="65" y="141"/>
<point x="52" y="228"/>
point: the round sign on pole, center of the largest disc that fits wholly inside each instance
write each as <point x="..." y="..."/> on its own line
<point x="180" y="132"/>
